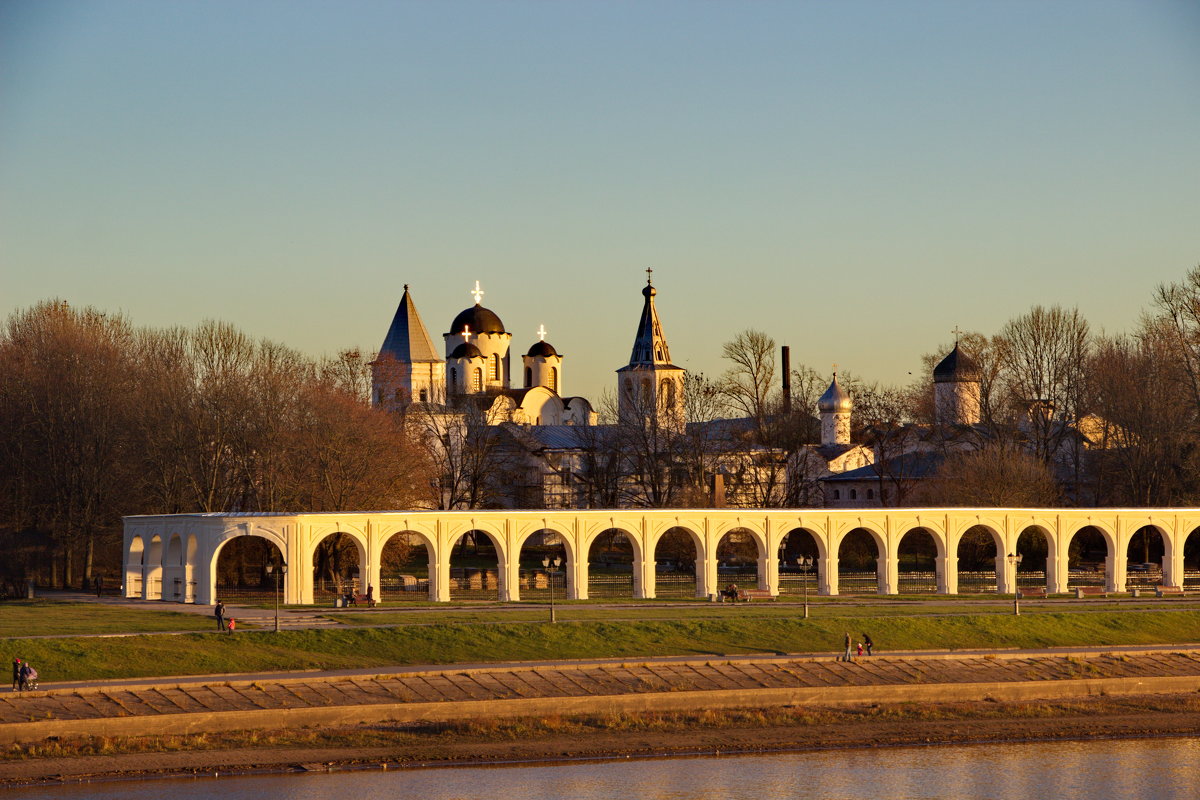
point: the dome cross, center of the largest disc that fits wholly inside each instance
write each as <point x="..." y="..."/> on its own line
<point x="541" y="332"/>
<point x="478" y="293"/>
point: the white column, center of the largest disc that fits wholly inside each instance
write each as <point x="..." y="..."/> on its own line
<point x="509" y="573"/>
<point x="888" y="572"/>
<point x="1172" y="563"/>
<point x="768" y="574"/>
<point x="827" y="575"/>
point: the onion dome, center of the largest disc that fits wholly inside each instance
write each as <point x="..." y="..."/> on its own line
<point x="957" y="366"/>
<point x="479" y="319"/>
<point x="835" y="400"/>
<point x="542" y="349"/>
<point x="466" y="350"/>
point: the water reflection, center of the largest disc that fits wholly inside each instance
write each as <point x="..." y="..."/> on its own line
<point x="1165" y="769"/>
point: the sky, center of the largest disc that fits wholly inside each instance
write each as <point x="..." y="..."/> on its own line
<point x="855" y="179"/>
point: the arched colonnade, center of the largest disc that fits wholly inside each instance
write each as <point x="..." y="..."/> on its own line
<point x="174" y="557"/>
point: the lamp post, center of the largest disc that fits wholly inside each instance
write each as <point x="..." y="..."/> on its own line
<point x="805" y="563"/>
<point x="1014" y="561"/>
<point x="551" y="566"/>
<point x="278" y="572"/>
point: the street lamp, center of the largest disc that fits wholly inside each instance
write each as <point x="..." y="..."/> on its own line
<point x="278" y="573"/>
<point x="1014" y="561"/>
<point x="551" y="566"/>
<point x="805" y="564"/>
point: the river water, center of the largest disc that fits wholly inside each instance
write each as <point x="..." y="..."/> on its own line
<point x="1160" y="769"/>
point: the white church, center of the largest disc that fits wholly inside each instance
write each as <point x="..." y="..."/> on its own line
<point x="553" y="431"/>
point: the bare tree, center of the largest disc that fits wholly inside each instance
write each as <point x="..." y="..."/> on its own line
<point x="749" y="384"/>
<point x="1043" y="357"/>
<point x="995" y="477"/>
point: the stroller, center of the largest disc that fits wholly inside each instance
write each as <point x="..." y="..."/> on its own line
<point x="29" y="678"/>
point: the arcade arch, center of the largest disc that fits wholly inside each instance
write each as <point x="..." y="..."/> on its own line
<point x="1191" y="560"/>
<point x="1087" y="558"/>
<point x="678" y="567"/>
<point x="859" y="553"/>
<point x="610" y="564"/>
<point x="338" y="559"/>
<point x="738" y="558"/>
<point x="1144" y="558"/>
<point x="240" y="568"/>
<point x="916" y="562"/>
<point x="475" y="567"/>
<point x="978" y="560"/>
<point x="405" y="566"/>
<point x="539" y="582"/>
<point x="796" y="544"/>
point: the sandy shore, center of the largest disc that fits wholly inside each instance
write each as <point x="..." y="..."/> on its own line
<point x="562" y="740"/>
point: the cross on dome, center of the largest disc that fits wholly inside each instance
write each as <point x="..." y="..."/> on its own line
<point x="466" y="332"/>
<point x="957" y="333"/>
<point x="541" y="332"/>
<point x="835" y="366"/>
<point x="649" y="274"/>
<point x="478" y="293"/>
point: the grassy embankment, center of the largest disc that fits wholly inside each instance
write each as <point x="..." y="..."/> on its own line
<point x="714" y="634"/>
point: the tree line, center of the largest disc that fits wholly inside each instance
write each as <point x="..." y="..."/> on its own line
<point x="103" y="419"/>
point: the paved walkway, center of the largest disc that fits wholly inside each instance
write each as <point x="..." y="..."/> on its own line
<point x="585" y="679"/>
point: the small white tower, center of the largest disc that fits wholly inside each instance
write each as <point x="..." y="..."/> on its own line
<point x="543" y="365"/>
<point x="480" y="328"/>
<point x="956" y="389"/>
<point x="650" y="386"/>
<point x="835" y="407"/>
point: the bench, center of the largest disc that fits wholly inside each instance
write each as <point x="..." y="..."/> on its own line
<point x="746" y="595"/>
<point x="1090" y="591"/>
<point x="1033" y="591"/>
<point x="1163" y="591"/>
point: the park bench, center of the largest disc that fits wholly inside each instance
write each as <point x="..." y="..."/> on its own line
<point x="1031" y="591"/>
<point x="1163" y="591"/>
<point x="746" y="595"/>
<point x="1090" y="591"/>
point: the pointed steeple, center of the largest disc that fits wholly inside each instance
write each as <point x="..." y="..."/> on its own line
<point x="407" y="341"/>
<point x="650" y="387"/>
<point x="650" y="345"/>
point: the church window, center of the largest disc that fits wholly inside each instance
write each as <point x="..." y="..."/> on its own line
<point x="647" y="390"/>
<point x="477" y="380"/>
<point x="399" y="395"/>
<point x="495" y="367"/>
<point x="870" y="494"/>
<point x="837" y="494"/>
<point x="554" y="379"/>
<point x="667" y="393"/>
<point x="424" y="395"/>
<point x="854" y="494"/>
<point x="528" y="377"/>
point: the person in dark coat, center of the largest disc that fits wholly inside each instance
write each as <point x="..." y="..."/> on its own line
<point x="99" y="585"/>
<point x="219" y="613"/>
<point x="16" y="674"/>
<point x="868" y="643"/>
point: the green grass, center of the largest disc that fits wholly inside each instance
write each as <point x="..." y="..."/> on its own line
<point x="73" y="658"/>
<point x="52" y="618"/>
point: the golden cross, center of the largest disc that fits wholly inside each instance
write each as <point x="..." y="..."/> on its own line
<point x="956" y="333"/>
<point x="541" y="332"/>
<point x="649" y="273"/>
<point x="478" y="293"/>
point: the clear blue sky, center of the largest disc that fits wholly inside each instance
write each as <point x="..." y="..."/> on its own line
<point x="853" y="178"/>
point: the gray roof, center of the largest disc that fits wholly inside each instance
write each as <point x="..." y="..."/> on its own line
<point x="650" y="344"/>
<point x="407" y="341"/>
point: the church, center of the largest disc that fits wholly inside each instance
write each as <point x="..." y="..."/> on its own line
<point x="534" y="446"/>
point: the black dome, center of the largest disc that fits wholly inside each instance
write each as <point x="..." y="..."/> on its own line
<point x="466" y="350"/>
<point x="958" y="366"/>
<point x="543" y="349"/>
<point x="481" y="320"/>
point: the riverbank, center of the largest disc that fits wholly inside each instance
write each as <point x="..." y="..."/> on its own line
<point x="556" y="739"/>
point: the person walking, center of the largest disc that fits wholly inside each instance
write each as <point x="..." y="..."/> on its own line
<point x="16" y="674"/>
<point x="219" y="613"/>
<point x="28" y="676"/>
<point x="868" y="643"/>
<point x="99" y="582"/>
<point x="846" y="656"/>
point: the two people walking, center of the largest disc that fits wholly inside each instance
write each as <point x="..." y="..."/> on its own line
<point x="24" y="676"/>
